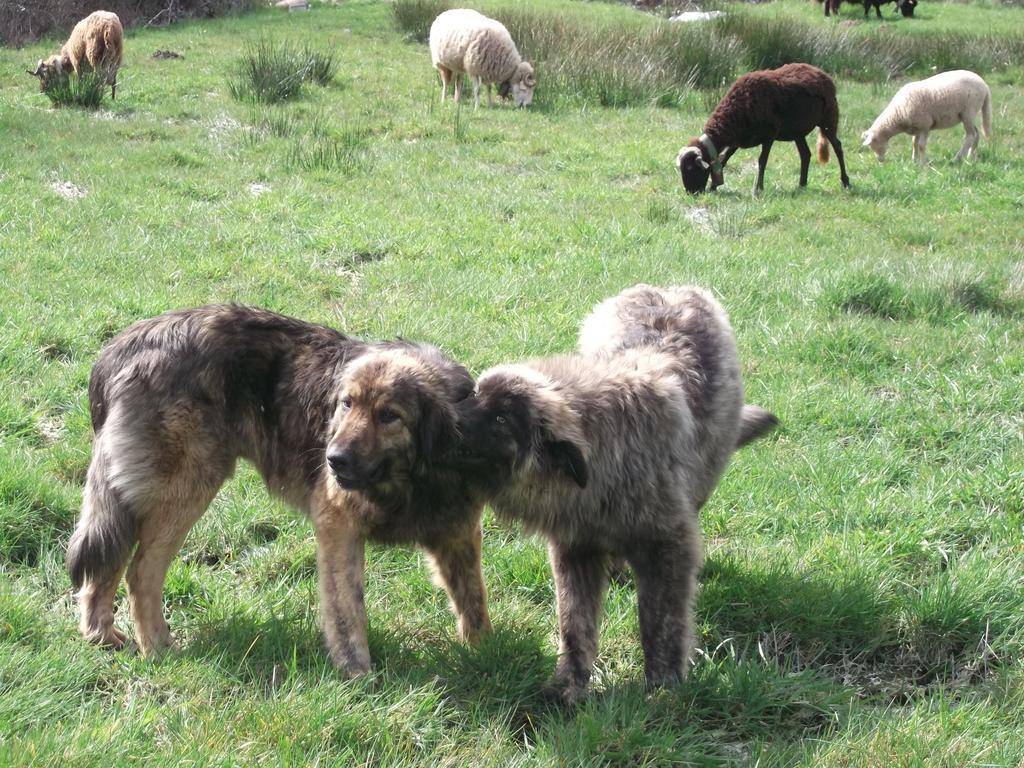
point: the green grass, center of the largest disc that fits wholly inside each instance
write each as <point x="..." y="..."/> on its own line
<point x="270" y="72"/>
<point x="860" y="603"/>
<point x="85" y="90"/>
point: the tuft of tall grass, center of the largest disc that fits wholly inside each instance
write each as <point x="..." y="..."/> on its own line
<point x="414" y="17"/>
<point x="772" y="42"/>
<point x="880" y="296"/>
<point x="329" y="150"/>
<point x="85" y="90"/>
<point x="654" y="61"/>
<point x="271" y="72"/>
<point x="321" y="66"/>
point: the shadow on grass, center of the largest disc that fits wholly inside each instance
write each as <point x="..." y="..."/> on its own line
<point x="789" y="649"/>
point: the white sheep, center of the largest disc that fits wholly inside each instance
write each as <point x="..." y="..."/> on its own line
<point x="941" y="101"/>
<point x="96" y="43"/>
<point x="465" y="41"/>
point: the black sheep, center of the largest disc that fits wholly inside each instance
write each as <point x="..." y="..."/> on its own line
<point x="763" y="107"/>
<point x="906" y="7"/>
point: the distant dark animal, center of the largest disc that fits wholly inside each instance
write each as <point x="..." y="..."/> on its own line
<point x="610" y="454"/>
<point x="760" y="108"/>
<point x="906" y="7"/>
<point x="346" y="431"/>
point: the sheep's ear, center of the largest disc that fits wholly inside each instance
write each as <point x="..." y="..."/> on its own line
<point x="866" y="138"/>
<point x="702" y="162"/>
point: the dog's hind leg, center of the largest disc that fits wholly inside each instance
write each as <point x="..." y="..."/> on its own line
<point x="580" y="581"/>
<point x="457" y="567"/>
<point x="666" y="579"/>
<point x="161" y="534"/>
<point x="98" y="553"/>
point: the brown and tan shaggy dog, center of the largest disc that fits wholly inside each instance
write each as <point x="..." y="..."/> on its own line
<point x="610" y="454"/>
<point x="96" y="43"/>
<point x="345" y="431"/>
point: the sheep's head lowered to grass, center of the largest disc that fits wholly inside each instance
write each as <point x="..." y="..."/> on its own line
<point x="696" y="168"/>
<point x="48" y="70"/>
<point x="906" y="7"/>
<point x="877" y="143"/>
<point x="520" y="86"/>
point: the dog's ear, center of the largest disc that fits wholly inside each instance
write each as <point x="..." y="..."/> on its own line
<point x="567" y="457"/>
<point x="436" y="433"/>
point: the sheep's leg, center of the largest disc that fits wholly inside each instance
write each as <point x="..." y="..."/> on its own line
<point x="878" y="10"/>
<point x="970" y="139"/>
<point x="446" y="76"/>
<point x="921" y="148"/>
<point x="805" y="158"/>
<point x="717" y="179"/>
<point x="476" y="92"/>
<point x="457" y="90"/>
<point x="762" y="161"/>
<point x="837" y="147"/>
<point x="113" y="88"/>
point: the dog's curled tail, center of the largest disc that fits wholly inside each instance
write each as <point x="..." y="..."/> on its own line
<point x="755" y="422"/>
<point x="105" y="534"/>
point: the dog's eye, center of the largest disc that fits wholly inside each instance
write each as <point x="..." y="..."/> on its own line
<point x="500" y="419"/>
<point x="387" y="417"/>
<point x="346" y="403"/>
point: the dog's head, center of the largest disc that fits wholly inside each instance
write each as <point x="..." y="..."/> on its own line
<point x="520" y="427"/>
<point x="395" y="417"/>
<point x="47" y="70"/>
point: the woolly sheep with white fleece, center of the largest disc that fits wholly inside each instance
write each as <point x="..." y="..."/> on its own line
<point x="96" y="43"/>
<point x="941" y="101"/>
<point x="465" y="41"/>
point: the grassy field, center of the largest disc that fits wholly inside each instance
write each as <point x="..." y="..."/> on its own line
<point x="861" y="604"/>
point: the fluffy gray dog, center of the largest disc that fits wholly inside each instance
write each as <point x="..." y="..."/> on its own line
<point x="611" y="453"/>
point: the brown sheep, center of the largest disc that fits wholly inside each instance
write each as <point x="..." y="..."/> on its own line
<point x="906" y="7"/>
<point x="96" y="44"/>
<point x="763" y="107"/>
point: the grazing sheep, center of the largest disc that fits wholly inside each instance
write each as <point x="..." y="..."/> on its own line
<point x="906" y="7"/>
<point x="464" y="41"/>
<point x="941" y="101"/>
<point x="610" y="454"/>
<point x="761" y="108"/>
<point x="96" y="43"/>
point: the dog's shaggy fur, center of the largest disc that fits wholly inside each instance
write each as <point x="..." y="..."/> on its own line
<point x="345" y="431"/>
<point x="610" y="454"/>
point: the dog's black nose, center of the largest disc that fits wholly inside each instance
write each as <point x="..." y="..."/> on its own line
<point x="340" y="461"/>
